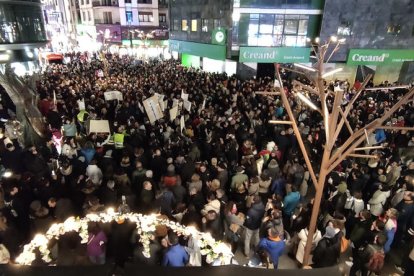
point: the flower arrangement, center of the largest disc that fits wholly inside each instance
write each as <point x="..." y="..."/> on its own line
<point x="145" y="224"/>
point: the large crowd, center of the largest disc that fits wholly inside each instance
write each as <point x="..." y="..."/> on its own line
<point x="228" y="171"/>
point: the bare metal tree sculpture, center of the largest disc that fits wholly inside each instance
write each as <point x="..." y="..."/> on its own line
<point x="333" y="125"/>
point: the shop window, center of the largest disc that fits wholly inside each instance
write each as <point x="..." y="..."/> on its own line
<point x="204" y="25"/>
<point x="276" y="30"/>
<point x="107" y="17"/>
<point x="194" y="25"/>
<point x="184" y="25"/>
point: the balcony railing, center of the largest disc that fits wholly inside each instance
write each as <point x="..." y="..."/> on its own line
<point x="112" y="3"/>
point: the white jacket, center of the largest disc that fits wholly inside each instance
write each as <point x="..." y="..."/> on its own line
<point x="377" y="202"/>
<point x="95" y="174"/>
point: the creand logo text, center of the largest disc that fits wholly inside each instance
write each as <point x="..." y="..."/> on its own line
<point x="372" y="58"/>
<point x="258" y="55"/>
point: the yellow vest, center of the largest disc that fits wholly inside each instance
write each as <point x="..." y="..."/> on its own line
<point x="119" y="140"/>
<point x="81" y="115"/>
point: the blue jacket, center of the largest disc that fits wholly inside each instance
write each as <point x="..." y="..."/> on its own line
<point x="290" y="202"/>
<point x="273" y="248"/>
<point x="380" y="136"/>
<point x="176" y="256"/>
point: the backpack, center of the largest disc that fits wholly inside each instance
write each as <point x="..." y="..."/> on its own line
<point x="376" y="262"/>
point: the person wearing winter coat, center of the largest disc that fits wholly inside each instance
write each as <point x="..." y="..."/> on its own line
<point x="303" y="238"/>
<point x="94" y="173"/>
<point x="378" y="200"/>
<point x="252" y="224"/>
<point x="274" y="170"/>
<point x="175" y="256"/>
<point x="328" y="249"/>
<point x="264" y="184"/>
<point x="273" y="245"/>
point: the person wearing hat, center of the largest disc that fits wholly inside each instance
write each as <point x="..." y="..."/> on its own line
<point x="328" y="249"/>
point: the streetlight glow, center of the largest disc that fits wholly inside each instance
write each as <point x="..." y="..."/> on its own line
<point x="305" y="67"/>
<point x="330" y="73"/>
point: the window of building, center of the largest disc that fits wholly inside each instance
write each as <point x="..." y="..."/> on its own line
<point x="82" y="3"/>
<point x="145" y="17"/>
<point x="107" y="17"/>
<point x="128" y="15"/>
<point x="291" y="24"/>
<point x="216" y="23"/>
<point x="89" y="16"/>
<point x="176" y="25"/>
<point x="204" y="25"/>
<point x="344" y="28"/>
<point x="127" y="1"/>
<point x="163" y="17"/>
<point x="194" y="25"/>
<point x="84" y="16"/>
<point x="184" y="25"/>
<point x="274" y="30"/>
<point x="144" y="1"/>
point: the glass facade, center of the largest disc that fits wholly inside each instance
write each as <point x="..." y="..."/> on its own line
<point x="272" y="30"/>
<point x="281" y="4"/>
<point x="21" y="23"/>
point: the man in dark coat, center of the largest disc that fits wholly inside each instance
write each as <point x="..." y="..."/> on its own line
<point x="252" y="223"/>
<point x="328" y="249"/>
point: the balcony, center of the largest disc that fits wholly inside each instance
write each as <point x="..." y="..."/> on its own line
<point x="162" y="3"/>
<point x="105" y="3"/>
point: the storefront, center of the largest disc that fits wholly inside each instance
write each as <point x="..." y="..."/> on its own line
<point x="209" y="57"/>
<point x="390" y="65"/>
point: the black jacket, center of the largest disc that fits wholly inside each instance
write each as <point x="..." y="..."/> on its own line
<point x="254" y="216"/>
<point x="327" y="251"/>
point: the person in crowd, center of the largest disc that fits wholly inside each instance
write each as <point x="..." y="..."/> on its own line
<point x="96" y="246"/>
<point x="252" y="224"/>
<point x="175" y="256"/>
<point x="225" y="153"/>
<point x="273" y="245"/>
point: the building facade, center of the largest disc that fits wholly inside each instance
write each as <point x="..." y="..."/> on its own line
<point x="262" y="32"/>
<point x="133" y="23"/>
<point x="379" y="38"/>
<point x="22" y="32"/>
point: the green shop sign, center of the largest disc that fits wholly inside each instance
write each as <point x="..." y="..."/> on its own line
<point x="379" y="57"/>
<point x="274" y="54"/>
<point x="199" y="49"/>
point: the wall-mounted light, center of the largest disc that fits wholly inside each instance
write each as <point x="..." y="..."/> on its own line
<point x="330" y="73"/>
<point x="305" y="67"/>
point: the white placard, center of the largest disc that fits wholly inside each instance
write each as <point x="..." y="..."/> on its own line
<point x="182" y="124"/>
<point x="173" y="113"/>
<point x="99" y="126"/>
<point x="184" y="96"/>
<point x="204" y="105"/>
<point x="153" y="109"/>
<point x="187" y="105"/>
<point x="113" y="95"/>
<point x="81" y="104"/>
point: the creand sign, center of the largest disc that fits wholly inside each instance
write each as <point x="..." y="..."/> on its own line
<point x="379" y="57"/>
<point x="274" y="54"/>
